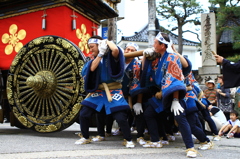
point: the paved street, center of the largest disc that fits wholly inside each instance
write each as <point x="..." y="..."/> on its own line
<point x="27" y="144"/>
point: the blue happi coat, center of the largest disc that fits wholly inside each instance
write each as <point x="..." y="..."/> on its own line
<point x="166" y="74"/>
<point x="192" y="97"/>
<point x="131" y="80"/>
<point x="109" y="70"/>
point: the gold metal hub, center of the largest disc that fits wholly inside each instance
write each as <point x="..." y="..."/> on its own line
<point x="43" y="83"/>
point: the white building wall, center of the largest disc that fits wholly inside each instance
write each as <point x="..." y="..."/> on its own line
<point x="193" y="55"/>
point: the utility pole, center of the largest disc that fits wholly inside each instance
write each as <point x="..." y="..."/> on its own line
<point x="112" y="29"/>
<point x="112" y="23"/>
<point x="151" y="22"/>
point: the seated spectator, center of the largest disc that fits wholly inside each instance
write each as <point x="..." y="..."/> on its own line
<point x="211" y="92"/>
<point x="232" y="95"/>
<point x="224" y="98"/>
<point x="232" y="126"/>
<point x="237" y="100"/>
<point x="217" y="116"/>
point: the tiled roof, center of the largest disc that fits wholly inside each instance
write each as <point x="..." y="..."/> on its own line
<point x="142" y="36"/>
<point x="227" y="35"/>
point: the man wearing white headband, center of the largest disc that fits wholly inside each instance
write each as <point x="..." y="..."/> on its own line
<point x="164" y="71"/>
<point x="102" y="76"/>
<point x="132" y="90"/>
<point x="131" y="44"/>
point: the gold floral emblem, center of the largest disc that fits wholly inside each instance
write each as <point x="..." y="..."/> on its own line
<point x="83" y="36"/>
<point x="13" y="39"/>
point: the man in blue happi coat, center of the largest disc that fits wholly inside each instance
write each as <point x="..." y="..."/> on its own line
<point x="163" y="70"/>
<point x="132" y="90"/>
<point x="197" y="102"/>
<point x="102" y="79"/>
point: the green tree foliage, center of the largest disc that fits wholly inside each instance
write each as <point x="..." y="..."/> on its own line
<point x="228" y="18"/>
<point x="234" y="58"/>
<point x="182" y="12"/>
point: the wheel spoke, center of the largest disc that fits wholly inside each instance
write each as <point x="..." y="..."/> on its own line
<point x="58" y="94"/>
<point x="58" y="65"/>
<point x="66" y="84"/>
<point x="65" y="79"/>
<point x="32" y="66"/>
<point x="23" y="87"/>
<point x="63" y="70"/>
<point x="26" y="73"/>
<point x="50" y="60"/>
<point x="54" y="64"/>
<point x="39" y="108"/>
<point x="35" y="106"/>
<point x="64" y="75"/>
<point x="43" y="108"/>
<point x="39" y="61"/>
<point x="50" y="104"/>
<point x="36" y="63"/>
<point x="58" y="104"/>
<point x="65" y="90"/>
<point x="29" y="69"/>
<point x="43" y="60"/>
<point x="32" y="99"/>
<point x="25" y="92"/>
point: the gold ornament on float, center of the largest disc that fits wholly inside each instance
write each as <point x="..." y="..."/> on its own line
<point x="83" y="36"/>
<point x="13" y="40"/>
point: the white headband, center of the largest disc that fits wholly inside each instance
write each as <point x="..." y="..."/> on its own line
<point x="93" y="41"/>
<point x="160" y="38"/>
<point x="169" y="49"/>
<point x="133" y="45"/>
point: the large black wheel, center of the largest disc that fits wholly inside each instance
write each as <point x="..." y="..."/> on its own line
<point x="44" y="86"/>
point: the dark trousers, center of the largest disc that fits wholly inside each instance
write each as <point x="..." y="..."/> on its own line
<point x="169" y="124"/>
<point x="196" y="127"/>
<point x="185" y="129"/>
<point x="121" y="117"/>
<point x="140" y="124"/>
<point x="101" y="122"/>
<point x="208" y="119"/>
<point x="154" y="123"/>
<point x="130" y="119"/>
<point x="109" y="122"/>
<point x="151" y="117"/>
<point x="201" y="119"/>
<point x="161" y="126"/>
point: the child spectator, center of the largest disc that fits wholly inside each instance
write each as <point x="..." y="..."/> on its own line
<point x="232" y="126"/>
<point x="211" y="92"/>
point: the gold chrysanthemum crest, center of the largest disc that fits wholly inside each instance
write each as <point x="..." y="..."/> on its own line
<point x="83" y="36"/>
<point x="13" y="39"/>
